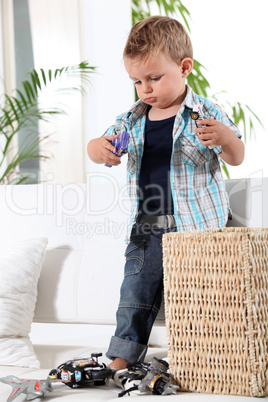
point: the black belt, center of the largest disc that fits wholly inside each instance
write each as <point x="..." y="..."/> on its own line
<point x="160" y="221"/>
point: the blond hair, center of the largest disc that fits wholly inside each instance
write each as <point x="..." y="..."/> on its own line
<point x="157" y="34"/>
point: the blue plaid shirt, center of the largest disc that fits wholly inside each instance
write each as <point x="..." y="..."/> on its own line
<point x="197" y="185"/>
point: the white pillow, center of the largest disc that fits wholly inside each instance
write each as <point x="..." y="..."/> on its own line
<point x="20" y="267"/>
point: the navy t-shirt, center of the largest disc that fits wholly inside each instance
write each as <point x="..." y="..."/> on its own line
<point x="154" y="182"/>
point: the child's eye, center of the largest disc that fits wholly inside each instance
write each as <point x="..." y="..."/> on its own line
<point x="155" y="78"/>
<point x="137" y="82"/>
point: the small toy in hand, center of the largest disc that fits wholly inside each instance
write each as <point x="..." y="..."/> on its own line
<point x="80" y="372"/>
<point x="120" y="143"/>
<point x="152" y="377"/>
<point x="198" y="115"/>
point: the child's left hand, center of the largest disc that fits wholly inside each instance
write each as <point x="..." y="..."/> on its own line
<point x="213" y="133"/>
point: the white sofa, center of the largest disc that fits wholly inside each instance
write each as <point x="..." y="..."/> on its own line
<point x="78" y="288"/>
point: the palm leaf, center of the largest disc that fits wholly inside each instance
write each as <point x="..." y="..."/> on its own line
<point x="21" y="110"/>
<point x="242" y="115"/>
<point x="197" y="80"/>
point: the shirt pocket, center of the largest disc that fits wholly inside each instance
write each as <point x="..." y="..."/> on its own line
<point x="134" y="258"/>
<point x="194" y="155"/>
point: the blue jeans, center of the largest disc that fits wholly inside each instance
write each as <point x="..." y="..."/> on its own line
<point x="140" y="296"/>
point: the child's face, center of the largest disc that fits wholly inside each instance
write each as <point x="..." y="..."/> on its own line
<point x="159" y="81"/>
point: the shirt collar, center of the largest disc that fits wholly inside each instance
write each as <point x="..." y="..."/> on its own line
<point x="139" y="108"/>
<point x="190" y="100"/>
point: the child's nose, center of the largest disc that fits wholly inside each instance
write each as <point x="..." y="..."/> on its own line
<point x="147" y="88"/>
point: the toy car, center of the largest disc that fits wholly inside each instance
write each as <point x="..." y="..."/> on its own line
<point x="82" y="371"/>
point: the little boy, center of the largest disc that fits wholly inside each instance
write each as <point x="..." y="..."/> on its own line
<point x="174" y="176"/>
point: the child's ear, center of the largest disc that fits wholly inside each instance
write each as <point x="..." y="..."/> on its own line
<point x="186" y="66"/>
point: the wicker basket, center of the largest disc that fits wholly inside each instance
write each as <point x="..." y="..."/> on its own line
<point x="216" y="307"/>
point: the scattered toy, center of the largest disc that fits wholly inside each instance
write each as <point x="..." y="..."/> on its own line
<point x="82" y="371"/>
<point x="151" y="377"/>
<point x="32" y="388"/>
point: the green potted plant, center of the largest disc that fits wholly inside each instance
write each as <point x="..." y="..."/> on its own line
<point x="21" y="111"/>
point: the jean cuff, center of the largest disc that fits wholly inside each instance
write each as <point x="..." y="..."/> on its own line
<point x="126" y="349"/>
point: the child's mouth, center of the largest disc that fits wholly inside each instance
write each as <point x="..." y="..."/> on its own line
<point x="150" y="100"/>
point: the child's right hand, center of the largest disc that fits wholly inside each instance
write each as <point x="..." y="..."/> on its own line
<point x="100" y="150"/>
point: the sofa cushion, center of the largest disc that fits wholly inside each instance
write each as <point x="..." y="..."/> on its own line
<point x="20" y="267"/>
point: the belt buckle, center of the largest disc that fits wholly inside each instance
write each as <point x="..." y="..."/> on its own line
<point x="170" y="221"/>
